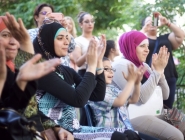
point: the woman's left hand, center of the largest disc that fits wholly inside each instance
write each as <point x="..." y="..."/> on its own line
<point x="65" y="135"/>
<point x="31" y="70"/>
<point x="102" y="47"/>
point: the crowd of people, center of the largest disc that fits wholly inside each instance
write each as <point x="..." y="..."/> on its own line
<point x="48" y="73"/>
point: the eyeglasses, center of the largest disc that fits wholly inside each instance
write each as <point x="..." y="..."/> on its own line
<point x="87" y="21"/>
<point x="50" y="20"/>
<point x="43" y="13"/>
<point x="110" y="69"/>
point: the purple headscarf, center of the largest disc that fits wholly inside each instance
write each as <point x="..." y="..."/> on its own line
<point x="128" y="43"/>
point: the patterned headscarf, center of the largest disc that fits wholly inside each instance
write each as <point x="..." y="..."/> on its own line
<point x="44" y="42"/>
<point x="128" y="43"/>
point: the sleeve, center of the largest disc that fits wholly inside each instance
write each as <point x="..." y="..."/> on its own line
<point x="31" y="112"/>
<point x="32" y="33"/>
<point x="165" y="88"/>
<point x="19" y="99"/>
<point x="146" y="89"/>
<point x="98" y="93"/>
<point x="59" y="88"/>
<point x="78" y="43"/>
<point x="149" y="86"/>
<point x="21" y="58"/>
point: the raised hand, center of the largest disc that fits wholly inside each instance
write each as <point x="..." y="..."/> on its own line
<point x="160" y="60"/>
<point x="92" y="55"/>
<point x="19" y="32"/>
<point x="101" y="52"/>
<point x="32" y="70"/>
<point x="134" y="74"/>
<point x="3" y="70"/>
<point x="102" y="47"/>
<point x="140" y="71"/>
<point x="60" y="18"/>
<point x="163" y="20"/>
<point x="146" y="26"/>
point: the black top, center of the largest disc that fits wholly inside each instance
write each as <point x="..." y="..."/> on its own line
<point x="170" y="70"/>
<point x="74" y="90"/>
<point x="13" y="96"/>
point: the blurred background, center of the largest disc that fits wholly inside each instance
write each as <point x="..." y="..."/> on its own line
<point x="113" y="17"/>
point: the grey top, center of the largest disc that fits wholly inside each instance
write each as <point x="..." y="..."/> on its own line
<point x="147" y="89"/>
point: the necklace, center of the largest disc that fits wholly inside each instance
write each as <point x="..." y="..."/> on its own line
<point x="61" y="76"/>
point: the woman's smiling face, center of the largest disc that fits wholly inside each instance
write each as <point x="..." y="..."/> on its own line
<point x="61" y="43"/>
<point x="10" y="44"/>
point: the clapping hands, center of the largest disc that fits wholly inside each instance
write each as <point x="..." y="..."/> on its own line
<point x="95" y="53"/>
<point x="102" y="47"/>
<point x="160" y="60"/>
<point x="92" y="55"/>
<point x="134" y="74"/>
<point x="163" y="20"/>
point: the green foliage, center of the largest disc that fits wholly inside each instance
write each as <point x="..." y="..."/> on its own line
<point x="104" y="11"/>
<point x="24" y="9"/>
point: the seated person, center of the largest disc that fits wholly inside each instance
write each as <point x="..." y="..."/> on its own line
<point x="20" y="83"/>
<point x="64" y="89"/>
<point x="134" y="47"/>
<point x="112" y="112"/>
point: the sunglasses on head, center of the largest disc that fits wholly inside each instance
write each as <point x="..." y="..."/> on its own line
<point x="50" y="20"/>
<point x="43" y="13"/>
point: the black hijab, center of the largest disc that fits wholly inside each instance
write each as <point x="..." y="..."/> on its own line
<point x="44" y="42"/>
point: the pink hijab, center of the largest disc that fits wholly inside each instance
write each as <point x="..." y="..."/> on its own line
<point x="128" y="43"/>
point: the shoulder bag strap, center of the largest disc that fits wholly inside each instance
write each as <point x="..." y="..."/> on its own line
<point x="155" y="49"/>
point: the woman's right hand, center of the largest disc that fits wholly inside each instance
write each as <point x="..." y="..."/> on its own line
<point x="31" y="70"/>
<point x="3" y="70"/>
<point x="146" y="26"/>
<point x="160" y="60"/>
<point x="92" y="56"/>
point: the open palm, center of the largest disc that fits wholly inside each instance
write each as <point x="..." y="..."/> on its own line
<point x="32" y="70"/>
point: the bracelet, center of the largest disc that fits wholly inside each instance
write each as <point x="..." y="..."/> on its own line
<point x="168" y="24"/>
<point x="98" y="69"/>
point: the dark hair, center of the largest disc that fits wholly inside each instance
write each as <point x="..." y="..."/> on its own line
<point x="143" y="22"/>
<point x="39" y="8"/>
<point x="110" y="45"/>
<point x="81" y="15"/>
